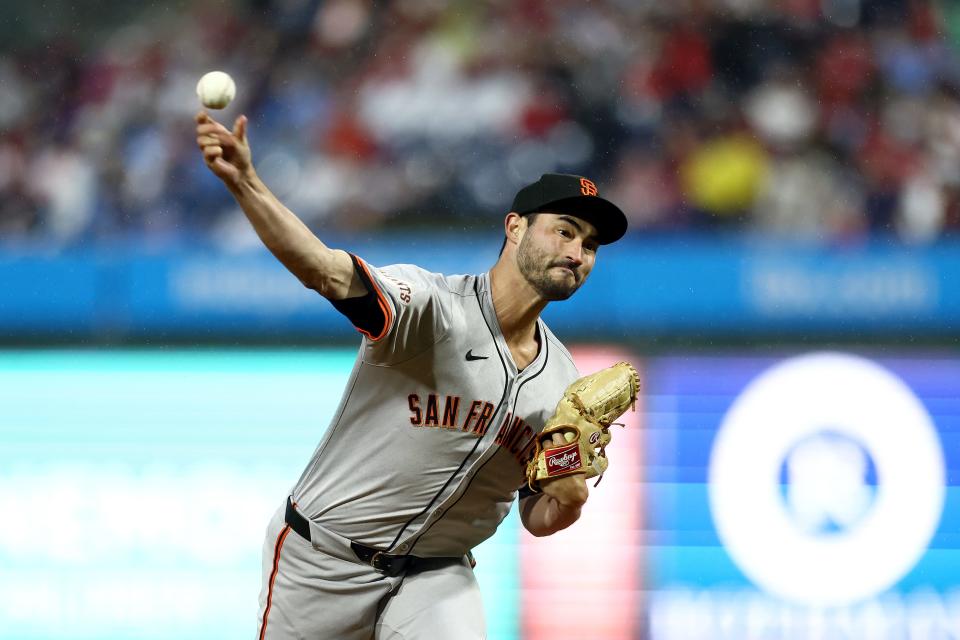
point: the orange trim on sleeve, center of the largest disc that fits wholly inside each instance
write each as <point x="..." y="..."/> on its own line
<point x="381" y="300"/>
<point x="273" y="576"/>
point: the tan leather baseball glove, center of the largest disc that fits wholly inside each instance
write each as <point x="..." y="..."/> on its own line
<point x="584" y="415"/>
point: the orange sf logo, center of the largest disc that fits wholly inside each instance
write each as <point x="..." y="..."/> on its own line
<point x="587" y="188"/>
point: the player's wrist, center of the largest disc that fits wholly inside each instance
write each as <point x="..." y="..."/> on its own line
<point x="568" y="491"/>
<point x="246" y="183"/>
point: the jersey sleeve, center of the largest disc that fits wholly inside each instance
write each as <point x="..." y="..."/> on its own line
<point x="404" y="311"/>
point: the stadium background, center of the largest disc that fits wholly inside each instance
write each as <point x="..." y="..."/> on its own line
<point x="791" y="170"/>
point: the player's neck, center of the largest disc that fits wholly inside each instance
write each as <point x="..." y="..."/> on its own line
<point x="517" y="305"/>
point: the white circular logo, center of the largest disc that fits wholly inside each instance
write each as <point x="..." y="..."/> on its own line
<point x="826" y="479"/>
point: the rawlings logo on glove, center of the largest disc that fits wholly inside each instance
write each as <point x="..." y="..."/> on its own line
<point x="584" y="415"/>
<point x="563" y="458"/>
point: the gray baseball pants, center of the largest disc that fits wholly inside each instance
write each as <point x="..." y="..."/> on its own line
<point x="319" y="590"/>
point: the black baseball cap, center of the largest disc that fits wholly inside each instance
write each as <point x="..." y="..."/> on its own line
<point x="575" y="196"/>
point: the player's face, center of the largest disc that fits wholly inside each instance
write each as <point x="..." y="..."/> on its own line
<point x="556" y="254"/>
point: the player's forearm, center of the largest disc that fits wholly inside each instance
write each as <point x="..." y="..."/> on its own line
<point x="543" y="515"/>
<point x="292" y="242"/>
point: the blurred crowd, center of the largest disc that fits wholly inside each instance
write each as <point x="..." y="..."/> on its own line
<point x="834" y="120"/>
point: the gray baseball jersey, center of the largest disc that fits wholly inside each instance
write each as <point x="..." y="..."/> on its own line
<point x="427" y="449"/>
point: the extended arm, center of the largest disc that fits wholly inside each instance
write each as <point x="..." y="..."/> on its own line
<point x="227" y="154"/>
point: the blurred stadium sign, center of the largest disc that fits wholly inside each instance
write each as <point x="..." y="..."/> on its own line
<point x="803" y="496"/>
<point x="818" y="426"/>
<point x="678" y="286"/>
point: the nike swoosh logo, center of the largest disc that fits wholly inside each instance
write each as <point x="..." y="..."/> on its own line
<point x="470" y="356"/>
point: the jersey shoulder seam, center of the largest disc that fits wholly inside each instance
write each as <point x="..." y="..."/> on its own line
<point x="440" y="338"/>
<point x="440" y="283"/>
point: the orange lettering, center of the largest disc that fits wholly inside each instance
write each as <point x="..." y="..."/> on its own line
<point x="451" y="409"/>
<point x="483" y="422"/>
<point x="431" y="420"/>
<point x="413" y="401"/>
<point x="471" y="414"/>
<point x="587" y="187"/>
<point x="527" y="452"/>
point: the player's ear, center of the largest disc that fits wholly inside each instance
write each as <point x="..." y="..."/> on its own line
<point x="514" y="226"/>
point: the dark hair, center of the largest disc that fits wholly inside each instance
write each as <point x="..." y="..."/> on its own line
<point x="531" y="218"/>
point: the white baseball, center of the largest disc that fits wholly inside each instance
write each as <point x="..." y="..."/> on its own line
<point x="216" y="89"/>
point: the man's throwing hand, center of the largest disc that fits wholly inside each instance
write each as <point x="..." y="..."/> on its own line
<point x="225" y="152"/>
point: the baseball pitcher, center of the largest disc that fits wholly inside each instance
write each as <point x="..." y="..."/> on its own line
<point x="461" y="399"/>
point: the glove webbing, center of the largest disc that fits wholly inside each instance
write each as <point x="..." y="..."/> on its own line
<point x="582" y="408"/>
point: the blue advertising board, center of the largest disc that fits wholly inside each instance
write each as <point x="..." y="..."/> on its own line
<point x="685" y="286"/>
<point x="811" y="495"/>
<point x="796" y="495"/>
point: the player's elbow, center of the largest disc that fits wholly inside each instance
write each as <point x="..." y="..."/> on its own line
<point x="317" y="279"/>
<point x="315" y="282"/>
<point x="331" y="274"/>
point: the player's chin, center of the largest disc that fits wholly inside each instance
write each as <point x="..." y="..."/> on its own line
<point x="560" y="290"/>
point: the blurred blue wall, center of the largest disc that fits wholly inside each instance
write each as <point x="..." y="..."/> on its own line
<point x="678" y="285"/>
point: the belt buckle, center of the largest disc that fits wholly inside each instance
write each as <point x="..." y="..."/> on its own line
<point x="375" y="561"/>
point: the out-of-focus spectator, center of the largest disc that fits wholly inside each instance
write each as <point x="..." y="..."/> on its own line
<point x="723" y="177"/>
<point x="829" y="119"/>
<point x="809" y="195"/>
<point x="648" y="191"/>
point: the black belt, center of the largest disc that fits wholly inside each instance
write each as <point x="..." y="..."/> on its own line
<point x="385" y="563"/>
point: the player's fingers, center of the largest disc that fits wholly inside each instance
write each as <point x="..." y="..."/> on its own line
<point x="553" y="440"/>
<point x="211" y="127"/>
<point x="240" y="128"/>
<point x="223" y="168"/>
<point x="207" y="140"/>
<point x="212" y="150"/>
<point x="201" y="117"/>
<point x="227" y="141"/>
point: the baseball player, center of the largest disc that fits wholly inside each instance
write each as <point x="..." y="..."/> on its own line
<point x="428" y="449"/>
